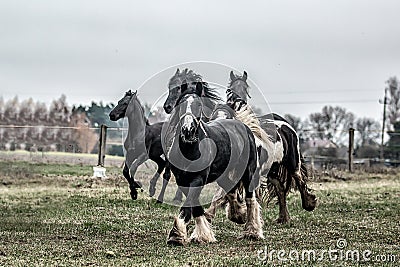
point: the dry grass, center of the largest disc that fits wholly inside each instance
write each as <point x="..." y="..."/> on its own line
<point x="59" y="215"/>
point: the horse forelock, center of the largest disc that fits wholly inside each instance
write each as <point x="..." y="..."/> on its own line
<point x="185" y="76"/>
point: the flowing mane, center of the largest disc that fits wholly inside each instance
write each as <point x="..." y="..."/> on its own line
<point x="189" y="77"/>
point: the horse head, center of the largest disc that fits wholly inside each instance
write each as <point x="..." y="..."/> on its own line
<point x="190" y="115"/>
<point x="238" y="90"/>
<point x="119" y="110"/>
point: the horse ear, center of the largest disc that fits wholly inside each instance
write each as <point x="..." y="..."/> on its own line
<point x="177" y="71"/>
<point x="244" y="75"/>
<point x="232" y="75"/>
<point x="200" y="89"/>
<point x="135" y="92"/>
<point x="129" y="92"/>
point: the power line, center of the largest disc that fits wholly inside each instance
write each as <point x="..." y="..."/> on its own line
<point x="324" y="102"/>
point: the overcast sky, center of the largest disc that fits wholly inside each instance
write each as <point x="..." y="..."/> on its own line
<point x="303" y="54"/>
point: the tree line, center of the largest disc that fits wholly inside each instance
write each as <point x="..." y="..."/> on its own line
<point x="62" y="127"/>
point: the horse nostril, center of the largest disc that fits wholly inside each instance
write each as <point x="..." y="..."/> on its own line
<point x="168" y="108"/>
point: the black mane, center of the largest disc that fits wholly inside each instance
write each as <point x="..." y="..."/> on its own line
<point x="192" y="79"/>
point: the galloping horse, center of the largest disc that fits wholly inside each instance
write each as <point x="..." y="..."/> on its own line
<point x="287" y="163"/>
<point x="143" y="141"/>
<point x="229" y="159"/>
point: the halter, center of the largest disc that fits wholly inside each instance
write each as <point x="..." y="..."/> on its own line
<point x="202" y="114"/>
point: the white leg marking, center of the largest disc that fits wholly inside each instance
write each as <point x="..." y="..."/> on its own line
<point x="202" y="232"/>
<point x="253" y="227"/>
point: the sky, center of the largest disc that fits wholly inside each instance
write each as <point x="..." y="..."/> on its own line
<point x="301" y="54"/>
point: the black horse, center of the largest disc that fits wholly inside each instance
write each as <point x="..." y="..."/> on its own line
<point x="287" y="163"/>
<point x="230" y="159"/>
<point x="143" y="141"/>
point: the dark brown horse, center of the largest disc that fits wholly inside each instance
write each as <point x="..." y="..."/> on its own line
<point x="143" y="141"/>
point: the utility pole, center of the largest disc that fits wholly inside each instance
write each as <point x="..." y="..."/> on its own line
<point x="384" y="122"/>
<point x="351" y="149"/>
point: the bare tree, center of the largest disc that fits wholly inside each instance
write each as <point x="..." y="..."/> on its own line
<point x="294" y="121"/>
<point x="60" y="112"/>
<point x="2" y="108"/>
<point x="11" y="111"/>
<point x="393" y="104"/>
<point x="331" y="123"/>
<point x="26" y="111"/>
<point x="369" y="131"/>
<point x="41" y="113"/>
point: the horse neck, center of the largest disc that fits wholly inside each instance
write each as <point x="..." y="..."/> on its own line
<point x="137" y="121"/>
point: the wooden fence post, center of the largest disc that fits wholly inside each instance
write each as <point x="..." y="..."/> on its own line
<point x="102" y="145"/>
<point x="351" y="149"/>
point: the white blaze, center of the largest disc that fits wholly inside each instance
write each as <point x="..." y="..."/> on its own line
<point x="188" y="119"/>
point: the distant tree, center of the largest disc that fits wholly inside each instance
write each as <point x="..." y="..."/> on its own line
<point x="2" y="109"/>
<point x="331" y="123"/>
<point x="84" y="137"/>
<point x="368" y="131"/>
<point x="392" y="149"/>
<point x="11" y="111"/>
<point x="393" y="102"/>
<point x="98" y="114"/>
<point x="60" y="112"/>
<point x="40" y="113"/>
<point x="26" y="111"/>
<point x="294" y="121"/>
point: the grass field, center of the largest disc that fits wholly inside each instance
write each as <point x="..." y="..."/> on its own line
<point x="58" y="215"/>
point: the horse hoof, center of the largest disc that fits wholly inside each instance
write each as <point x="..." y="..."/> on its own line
<point x="238" y="219"/>
<point x="175" y="241"/>
<point x="209" y="217"/>
<point x="159" y="201"/>
<point x="282" y="220"/>
<point x="251" y="236"/>
<point x="152" y="191"/>
<point x="201" y="241"/>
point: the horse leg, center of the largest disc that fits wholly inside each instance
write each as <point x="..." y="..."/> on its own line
<point x="178" y="196"/>
<point x="202" y="232"/>
<point x="130" y="172"/>
<point x="166" y="177"/>
<point x="253" y="226"/>
<point x="218" y="200"/>
<point x="132" y="184"/>
<point x="153" y="182"/>
<point x="283" y="211"/>
<point x="178" y="234"/>
<point x="235" y="210"/>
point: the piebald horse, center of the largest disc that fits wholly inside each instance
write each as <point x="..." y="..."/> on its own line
<point x="221" y="151"/>
<point x="280" y="158"/>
